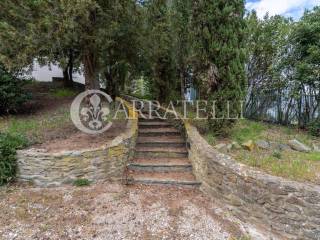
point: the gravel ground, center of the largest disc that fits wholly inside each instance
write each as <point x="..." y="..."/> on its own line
<point x="112" y="211"/>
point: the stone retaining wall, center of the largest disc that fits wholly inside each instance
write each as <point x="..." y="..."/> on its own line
<point x="105" y="163"/>
<point x="280" y="206"/>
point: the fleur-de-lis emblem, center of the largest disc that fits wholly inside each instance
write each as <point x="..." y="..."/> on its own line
<point x="94" y="113"/>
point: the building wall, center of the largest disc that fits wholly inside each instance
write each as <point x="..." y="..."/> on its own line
<point x="46" y="73"/>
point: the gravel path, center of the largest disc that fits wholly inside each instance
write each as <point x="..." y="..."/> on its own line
<point x="112" y="211"/>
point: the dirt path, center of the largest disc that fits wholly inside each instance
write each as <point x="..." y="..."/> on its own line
<point x="112" y="212"/>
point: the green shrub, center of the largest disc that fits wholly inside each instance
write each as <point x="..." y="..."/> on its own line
<point x="211" y="139"/>
<point x="314" y="127"/>
<point x="277" y="154"/>
<point x="8" y="146"/>
<point x="12" y="95"/>
<point x="81" y="182"/>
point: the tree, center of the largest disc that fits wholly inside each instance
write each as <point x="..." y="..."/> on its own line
<point x="120" y="54"/>
<point x="181" y="16"/>
<point x="218" y="29"/>
<point x="267" y="48"/>
<point x="305" y="60"/>
<point x="159" y="50"/>
<point x="60" y="31"/>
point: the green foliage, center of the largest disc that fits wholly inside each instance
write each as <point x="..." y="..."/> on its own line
<point x="277" y="154"/>
<point x="82" y="182"/>
<point x="141" y="89"/>
<point x="314" y="127"/>
<point x="295" y="166"/>
<point x="8" y="146"/>
<point x="267" y="42"/>
<point x="12" y="94"/>
<point x="181" y="13"/>
<point x="34" y="29"/>
<point x="304" y="60"/>
<point x="313" y="156"/>
<point x="210" y="139"/>
<point x="159" y="50"/>
<point x="306" y="39"/>
<point x="218" y="32"/>
<point x="283" y="67"/>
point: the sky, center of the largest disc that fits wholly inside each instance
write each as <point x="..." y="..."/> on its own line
<point x="288" y="8"/>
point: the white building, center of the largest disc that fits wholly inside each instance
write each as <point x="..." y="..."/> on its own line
<point x="45" y="73"/>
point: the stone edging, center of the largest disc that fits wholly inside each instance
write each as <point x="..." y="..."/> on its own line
<point x="107" y="162"/>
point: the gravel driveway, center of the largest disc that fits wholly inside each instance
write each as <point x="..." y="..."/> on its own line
<point x="112" y="211"/>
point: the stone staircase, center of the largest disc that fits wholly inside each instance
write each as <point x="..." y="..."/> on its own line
<point x="161" y="156"/>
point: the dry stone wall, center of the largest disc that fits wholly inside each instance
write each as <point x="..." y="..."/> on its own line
<point x="287" y="208"/>
<point x="53" y="169"/>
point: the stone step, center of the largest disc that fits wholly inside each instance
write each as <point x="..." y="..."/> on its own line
<point x="162" y="149"/>
<point x="161" y="165"/>
<point x="154" y="124"/>
<point x="166" y="141"/>
<point x="158" y="132"/>
<point x="139" y="154"/>
<point x="170" y="178"/>
<point x="153" y="119"/>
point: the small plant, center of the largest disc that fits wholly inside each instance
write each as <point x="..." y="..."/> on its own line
<point x="314" y="127"/>
<point x="81" y="182"/>
<point x="210" y="139"/>
<point x="8" y="146"/>
<point x="277" y="155"/>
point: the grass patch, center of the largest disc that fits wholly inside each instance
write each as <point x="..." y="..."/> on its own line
<point x="210" y="138"/>
<point x="64" y="92"/>
<point x="35" y="127"/>
<point x="246" y="130"/>
<point x="288" y="164"/>
<point x="81" y="182"/>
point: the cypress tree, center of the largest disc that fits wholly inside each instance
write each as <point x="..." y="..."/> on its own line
<point x="218" y="29"/>
<point x="160" y="50"/>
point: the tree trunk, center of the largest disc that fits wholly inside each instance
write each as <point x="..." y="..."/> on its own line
<point x="66" y="78"/>
<point x="90" y="71"/>
<point x="67" y="72"/>
<point x="182" y="84"/>
<point x="111" y="84"/>
<point x="70" y="65"/>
